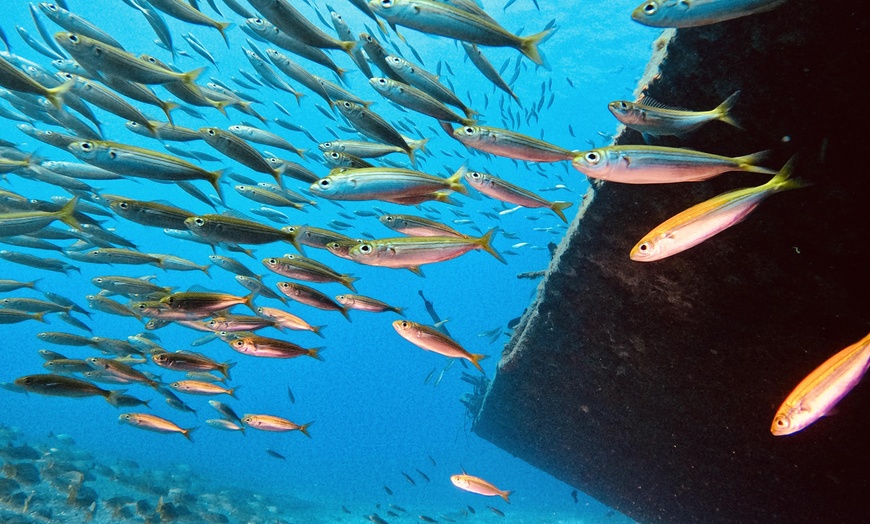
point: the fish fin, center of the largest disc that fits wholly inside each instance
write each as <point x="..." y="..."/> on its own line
<point x="67" y="212"/>
<point x="724" y="110"/>
<point x="187" y="432"/>
<point x="447" y="128"/>
<point x="317" y="331"/>
<point x="421" y="144"/>
<point x="55" y="94"/>
<point x="167" y="107"/>
<point x="225" y="368"/>
<point x="557" y="208"/>
<point x="112" y="397"/>
<point x="232" y="392"/>
<point x="315" y="353"/>
<point x="475" y="359"/>
<point x="214" y="179"/>
<point x="304" y="429"/>
<point x="455" y="181"/>
<point x="398" y="310"/>
<point x="346" y="312"/>
<point x="505" y="495"/>
<point x="222" y="28"/>
<point x="783" y="181"/>
<point x="205" y="269"/>
<point x="348" y="281"/>
<point x="485" y="243"/>
<point x="190" y="77"/>
<point x="416" y="270"/>
<point x="41" y="317"/>
<point x="249" y="301"/>
<point x="750" y="163"/>
<point x="348" y="46"/>
<point x="529" y="45"/>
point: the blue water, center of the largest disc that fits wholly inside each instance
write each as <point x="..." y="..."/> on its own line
<point x="374" y="416"/>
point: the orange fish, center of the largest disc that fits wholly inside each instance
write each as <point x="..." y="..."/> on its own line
<point x="479" y="486"/>
<point x="273" y="423"/>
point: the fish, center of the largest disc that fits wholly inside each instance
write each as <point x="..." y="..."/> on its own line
<point x="364" y="303"/>
<point x="120" y="370"/>
<point x="273" y="453"/>
<point x="412" y="252"/>
<point x="187" y="13"/>
<point x="242" y="152"/>
<point x="417" y="100"/>
<point x="76" y="24"/>
<point x="418" y="226"/>
<point x="274" y="424"/>
<point x="154" y="423"/>
<point x="387" y="490"/>
<point x="60" y="386"/>
<point x="224" y="424"/>
<point x="189" y="361"/>
<point x="154" y="214"/>
<point x="257" y="346"/>
<point x="430" y="339"/>
<point x="387" y="184"/>
<point x="288" y="320"/>
<point x="702" y="221"/>
<point x="661" y="165"/>
<point x="442" y="19"/>
<point x="264" y="137"/>
<point x="286" y="18"/>
<point x="233" y="228"/>
<point x="651" y="118"/>
<point x="485" y="67"/>
<point x="267" y="31"/>
<point x="311" y="297"/>
<point x="510" y="144"/>
<point x="503" y="190"/>
<point x="198" y="387"/>
<point x="679" y="13"/>
<point x="818" y="393"/>
<point x="478" y="485"/>
<point x="196" y="301"/>
<point x="373" y="126"/>
<point x="13" y="78"/>
<point x="310" y="270"/>
<point x="497" y="511"/>
<point x="409" y="479"/>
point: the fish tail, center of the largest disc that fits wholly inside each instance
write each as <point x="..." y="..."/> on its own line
<point x="348" y="281"/>
<point x="222" y="29"/>
<point x="113" y="395"/>
<point x="420" y="145"/>
<point x="410" y="152"/>
<point x="187" y="432"/>
<point x="40" y="317"/>
<point x="67" y="214"/>
<point x="340" y="72"/>
<point x="317" y="331"/>
<point x="205" y="269"/>
<point x="214" y="179"/>
<point x="485" y="242"/>
<point x="225" y="369"/>
<point x="346" y="312"/>
<point x="470" y="113"/>
<point x="221" y="106"/>
<point x="557" y="208"/>
<point x="783" y="180"/>
<point x="55" y="94"/>
<point x="298" y="96"/>
<point x="475" y="359"/>
<point x="190" y="77"/>
<point x="455" y="181"/>
<point x="301" y="153"/>
<point x="167" y="107"/>
<point x="750" y="163"/>
<point x="232" y="392"/>
<point x="724" y="110"/>
<point x="348" y="46"/>
<point x="315" y="353"/>
<point x="529" y="45"/>
<point x="398" y="310"/>
<point x="304" y="429"/>
<point x="505" y="495"/>
<point x="249" y="301"/>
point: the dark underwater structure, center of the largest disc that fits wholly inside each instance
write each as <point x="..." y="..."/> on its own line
<point x="652" y="387"/>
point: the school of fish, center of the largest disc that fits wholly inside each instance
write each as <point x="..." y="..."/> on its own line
<point x="52" y="104"/>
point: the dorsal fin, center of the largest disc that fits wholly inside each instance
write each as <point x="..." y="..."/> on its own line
<point x="232" y="213"/>
<point x="650" y="102"/>
<point x="196" y="288"/>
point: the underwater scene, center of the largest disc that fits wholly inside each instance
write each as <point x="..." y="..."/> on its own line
<point x="261" y="258"/>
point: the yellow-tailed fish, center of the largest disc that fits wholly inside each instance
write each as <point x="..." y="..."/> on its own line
<point x="140" y="162"/>
<point x="14" y="316"/>
<point x="478" y="485"/>
<point x="153" y="214"/>
<point x="257" y="346"/>
<point x="651" y="118"/>
<point x="438" y="18"/>
<point x="820" y="391"/>
<point x="239" y="150"/>
<point x="185" y="12"/>
<point x="430" y="339"/>
<point x="286" y="320"/>
<point x="121" y="370"/>
<point x="189" y="361"/>
<point x="154" y="423"/>
<point x="420" y="78"/>
<point x="364" y="303"/>
<point x="311" y="297"/>
<point x="101" y="58"/>
<point x="307" y="269"/>
<point x="419" y="226"/>
<point x="693" y="13"/>
<point x="702" y="221"/>
<point x="412" y="252"/>
<point x="384" y="183"/>
<point x="199" y="301"/>
<point x="11" y="77"/>
<point x="373" y="125"/>
<point x="661" y="165"/>
<point x="288" y="19"/>
<point x="198" y="387"/>
<point x="506" y="192"/>
<point x="510" y="144"/>
<point x="26" y="222"/>
<point x="273" y="423"/>
<point x="60" y="386"/>
<point x="416" y="100"/>
<point x="233" y="228"/>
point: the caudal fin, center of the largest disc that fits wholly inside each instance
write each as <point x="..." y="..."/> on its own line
<point x="750" y="163"/>
<point x="505" y="495"/>
<point x="529" y="45"/>
<point x="55" y="94"/>
<point x="304" y="429"/>
<point x="724" y="110"/>
<point x="557" y="208"/>
<point x="187" y="432"/>
<point x="315" y="352"/>
<point x="485" y="242"/>
<point x="475" y="359"/>
<point x="455" y="181"/>
<point x="67" y="214"/>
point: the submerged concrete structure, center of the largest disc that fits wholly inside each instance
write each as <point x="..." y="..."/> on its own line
<point x="652" y="387"/>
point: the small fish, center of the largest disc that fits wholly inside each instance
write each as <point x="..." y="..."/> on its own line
<point x="290" y="395"/>
<point x="154" y="423"/>
<point x="430" y="339"/>
<point x="409" y="479"/>
<point x="503" y="190"/>
<point x="364" y="303"/>
<point x="497" y="511"/>
<point x="196" y="387"/>
<point x="275" y="454"/>
<point x="680" y="13"/>
<point x="821" y="390"/>
<point x="574" y="496"/>
<point x="388" y="490"/>
<point x="60" y="386"/>
<point x="702" y="221"/>
<point x="650" y="117"/>
<point x="266" y="347"/>
<point x="478" y="485"/>
<point x="274" y="424"/>
<point x="425" y="477"/>
<point x="224" y="424"/>
<point x="510" y="144"/>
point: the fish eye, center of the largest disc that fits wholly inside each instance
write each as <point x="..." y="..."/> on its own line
<point x="382" y="81"/>
<point x="389" y="218"/>
<point x="347" y="104"/>
<point x="468" y="130"/>
<point x="645" y="247"/>
<point x="51" y="7"/>
<point x="474" y="174"/>
<point x="273" y="261"/>
<point x="651" y="7"/>
<point x="781" y="422"/>
<point x="334" y="155"/>
<point x="369" y="38"/>
<point x="211" y="132"/>
<point x="327" y="144"/>
<point x="127" y="417"/>
<point x="198" y="221"/>
<point x="592" y="157"/>
<point x="623" y="105"/>
<point x="73" y="38"/>
<point x="365" y="249"/>
<point x="86" y="146"/>
<point x="405" y="324"/>
<point x="324" y="183"/>
<point x="386" y="4"/>
<point x="284" y="285"/>
<point x="28" y="380"/>
<point x="123" y="205"/>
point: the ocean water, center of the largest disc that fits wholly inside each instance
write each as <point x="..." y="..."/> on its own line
<point x="376" y="416"/>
